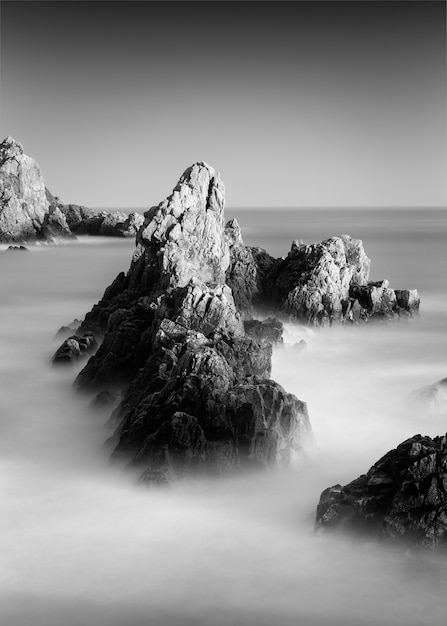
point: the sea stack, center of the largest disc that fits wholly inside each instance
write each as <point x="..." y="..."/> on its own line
<point x="25" y="213"/>
<point x="198" y="397"/>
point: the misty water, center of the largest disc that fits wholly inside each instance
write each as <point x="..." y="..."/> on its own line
<point x="81" y="544"/>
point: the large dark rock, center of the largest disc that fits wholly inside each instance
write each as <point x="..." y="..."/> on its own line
<point x="403" y="497"/>
<point x="197" y="396"/>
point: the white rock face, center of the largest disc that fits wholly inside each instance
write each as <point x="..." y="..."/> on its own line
<point x="22" y="193"/>
<point x="185" y="231"/>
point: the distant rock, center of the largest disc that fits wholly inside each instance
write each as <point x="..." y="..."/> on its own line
<point x="197" y="393"/>
<point x="402" y="497"/>
<point x="17" y="249"/>
<point x="74" y="348"/>
<point x="85" y="221"/>
<point x="29" y="211"/>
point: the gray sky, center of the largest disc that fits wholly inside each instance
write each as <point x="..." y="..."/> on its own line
<point x="295" y="103"/>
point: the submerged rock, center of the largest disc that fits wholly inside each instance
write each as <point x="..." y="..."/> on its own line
<point x="198" y="397"/>
<point x="401" y="498"/>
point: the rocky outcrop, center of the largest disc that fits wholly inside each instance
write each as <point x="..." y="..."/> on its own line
<point x="29" y="211"/>
<point x="74" y="348"/>
<point x="317" y="284"/>
<point x="84" y="221"/>
<point x="198" y="397"/>
<point x="403" y="497"/>
<point x="23" y="202"/>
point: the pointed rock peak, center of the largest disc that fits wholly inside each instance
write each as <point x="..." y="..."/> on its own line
<point x="202" y="183"/>
<point x="233" y="233"/>
<point x="10" y="148"/>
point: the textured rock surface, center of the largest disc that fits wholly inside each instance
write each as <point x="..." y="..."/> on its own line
<point x="85" y="221"/>
<point x="198" y="395"/>
<point x="22" y="194"/>
<point x="74" y="348"/>
<point x="403" y="497"/>
<point x="29" y="211"/>
<point x="318" y="284"/>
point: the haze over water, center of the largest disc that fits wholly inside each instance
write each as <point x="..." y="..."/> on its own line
<point x="80" y="544"/>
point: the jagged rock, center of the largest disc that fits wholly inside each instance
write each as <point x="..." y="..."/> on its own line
<point x="312" y="283"/>
<point x="85" y="221"/>
<point x="198" y="396"/>
<point x="316" y="284"/>
<point x="118" y="224"/>
<point x="300" y="345"/>
<point x="403" y="497"/>
<point x="25" y="210"/>
<point x="73" y="348"/>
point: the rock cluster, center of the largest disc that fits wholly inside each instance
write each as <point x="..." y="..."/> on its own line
<point x="84" y="221"/>
<point x="198" y="397"/>
<point x="29" y="211"/>
<point x="318" y="284"/>
<point x="403" y="497"/>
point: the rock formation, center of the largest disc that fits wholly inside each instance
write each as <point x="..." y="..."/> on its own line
<point x="318" y="284"/>
<point x="29" y="211"/>
<point x="74" y="348"/>
<point x="84" y="221"/>
<point x="198" y="397"/>
<point x="403" y="497"/>
<point x="24" y="210"/>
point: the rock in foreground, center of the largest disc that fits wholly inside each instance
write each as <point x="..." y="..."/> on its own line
<point x="403" y="497"/>
<point x="199" y="398"/>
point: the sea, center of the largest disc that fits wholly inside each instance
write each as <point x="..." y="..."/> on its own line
<point x="81" y="544"/>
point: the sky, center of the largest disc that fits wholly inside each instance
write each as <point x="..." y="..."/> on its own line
<point x="296" y="103"/>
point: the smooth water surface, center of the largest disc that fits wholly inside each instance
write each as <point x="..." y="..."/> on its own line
<point x="80" y="544"/>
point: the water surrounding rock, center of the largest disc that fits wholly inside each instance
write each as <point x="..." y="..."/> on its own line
<point x="85" y="221"/>
<point x="198" y="396"/>
<point x="403" y="497"/>
<point x="29" y="211"/>
<point x="316" y="284"/>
